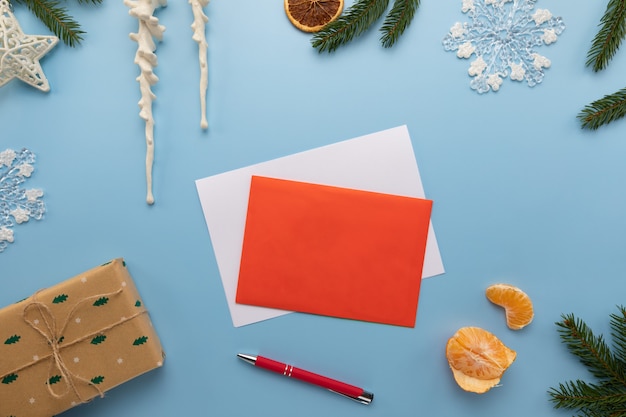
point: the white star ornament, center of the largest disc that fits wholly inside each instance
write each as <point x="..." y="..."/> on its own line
<point x="20" y="53"/>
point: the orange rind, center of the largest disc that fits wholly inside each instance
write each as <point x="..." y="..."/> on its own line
<point x="471" y="384"/>
<point x="517" y="304"/>
<point x="478" y="359"/>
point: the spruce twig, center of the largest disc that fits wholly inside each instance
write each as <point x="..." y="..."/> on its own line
<point x="398" y="19"/>
<point x="57" y="19"/>
<point x="618" y="333"/>
<point x="604" y="46"/>
<point x="604" y="111"/>
<point x="606" y="396"/>
<point x="609" y="37"/>
<point x="356" y="20"/>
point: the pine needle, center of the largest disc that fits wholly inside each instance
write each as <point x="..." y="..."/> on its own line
<point x="352" y="23"/>
<point x="398" y="19"/>
<point x="618" y="333"/>
<point x="609" y="37"/>
<point x="56" y="18"/>
<point x="582" y="395"/>
<point x="607" y="395"/>
<point x="604" y="111"/>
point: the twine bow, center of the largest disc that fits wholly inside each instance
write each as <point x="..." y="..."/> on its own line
<point x="52" y="333"/>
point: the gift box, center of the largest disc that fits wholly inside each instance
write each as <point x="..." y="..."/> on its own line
<point x="70" y="343"/>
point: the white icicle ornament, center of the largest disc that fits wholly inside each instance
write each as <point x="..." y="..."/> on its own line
<point x="199" y="23"/>
<point x="146" y="59"/>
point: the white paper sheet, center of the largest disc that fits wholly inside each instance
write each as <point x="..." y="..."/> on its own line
<point x="382" y="162"/>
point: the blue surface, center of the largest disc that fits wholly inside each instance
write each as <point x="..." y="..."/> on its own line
<point x="521" y="194"/>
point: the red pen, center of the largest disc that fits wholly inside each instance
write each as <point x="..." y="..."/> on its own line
<point x="347" y="390"/>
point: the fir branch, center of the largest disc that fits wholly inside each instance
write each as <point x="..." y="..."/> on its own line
<point x="604" y="111"/>
<point x="356" y="20"/>
<point x="609" y="37"/>
<point x="607" y="396"/>
<point x="397" y="21"/>
<point x="583" y="395"/>
<point x="56" y="18"/>
<point x="618" y="333"/>
<point x="592" y="350"/>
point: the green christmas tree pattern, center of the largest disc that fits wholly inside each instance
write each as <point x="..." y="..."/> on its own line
<point x="97" y="380"/>
<point x="140" y="340"/>
<point x="12" y="340"/>
<point x="9" y="379"/>
<point x="54" y="379"/>
<point x="101" y="301"/>
<point x="61" y="298"/>
<point x="98" y="339"/>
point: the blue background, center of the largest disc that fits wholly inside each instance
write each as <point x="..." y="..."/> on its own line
<point x="521" y="195"/>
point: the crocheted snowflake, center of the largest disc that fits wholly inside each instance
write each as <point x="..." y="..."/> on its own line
<point x="502" y="35"/>
<point x="17" y="205"/>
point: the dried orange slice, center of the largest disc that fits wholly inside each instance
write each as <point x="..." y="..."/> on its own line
<point x="312" y="15"/>
<point x="517" y="305"/>
<point x="477" y="358"/>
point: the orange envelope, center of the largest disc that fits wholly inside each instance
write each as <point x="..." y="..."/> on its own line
<point x="333" y="251"/>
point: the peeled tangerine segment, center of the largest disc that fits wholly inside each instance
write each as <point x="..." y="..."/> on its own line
<point x="477" y="358"/>
<point x="517" y="305"/>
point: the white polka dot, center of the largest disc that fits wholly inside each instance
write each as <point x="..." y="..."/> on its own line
<point x="35" y="358"/>
<point x="35" y="322"/>
<point x="32" y="400"/>
<point x="76" y="359"/>
<point x="83" y="279"/>
<point x="159" y="364"/>
<point x="77" y="320"/>
<point x="120" y="361"/>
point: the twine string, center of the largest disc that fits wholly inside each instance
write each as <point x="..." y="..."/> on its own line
<point x="52" y="335"/>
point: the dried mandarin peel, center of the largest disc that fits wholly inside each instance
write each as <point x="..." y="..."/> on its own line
<point x="517" y="304"/>
<point x="312" y="15"/>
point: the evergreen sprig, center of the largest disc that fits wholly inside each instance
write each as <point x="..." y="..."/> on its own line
<point x="56" y="18"/>
<point x="607" y="395"/>
<point x="603" y="111"/>
<point x="604" y="46"/>
<point x="609" y="37"/>
<point x="398" y="19"/>
<point x="359" y="17"/>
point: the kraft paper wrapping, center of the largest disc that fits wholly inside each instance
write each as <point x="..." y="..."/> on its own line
<point x="67" y="344"/>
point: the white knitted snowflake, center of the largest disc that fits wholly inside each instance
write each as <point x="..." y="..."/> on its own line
<point x="502" y="35"/>
<point x="17" y="204"/>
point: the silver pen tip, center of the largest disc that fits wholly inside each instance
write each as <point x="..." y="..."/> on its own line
<point x="247" y="358"/>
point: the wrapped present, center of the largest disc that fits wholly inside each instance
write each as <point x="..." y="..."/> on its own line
<point x="70" y="343"/>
